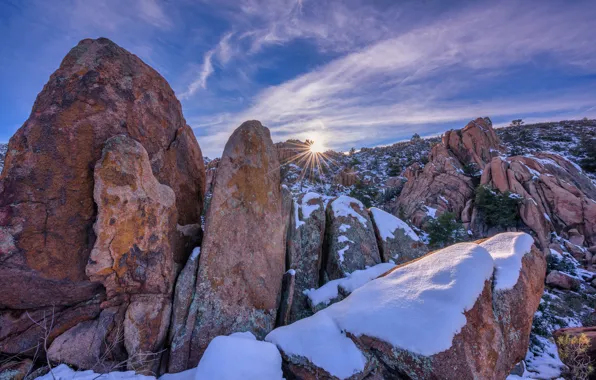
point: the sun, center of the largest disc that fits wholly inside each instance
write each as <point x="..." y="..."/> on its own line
<point x="317" y="147"/>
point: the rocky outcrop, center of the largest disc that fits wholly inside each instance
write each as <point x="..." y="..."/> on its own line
<point x="476" y="144"/>
<point x="487" y="295"/>
<point x="47" y="209"/>
<point x="133" y="253"/>
<point x="347" y="177"/>
<point x="292" y="151"/>
<point x="305" y="249"/>
<point x="396" y="240"/>
<point x="562" y="281"/>
<point x="350" y="238"/>
<point x="557" y="196"/>
<point x="445" y="184"/>
<point x="242" y="257"/>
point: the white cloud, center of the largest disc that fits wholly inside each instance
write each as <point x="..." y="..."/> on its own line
<point x="416" y="77"/>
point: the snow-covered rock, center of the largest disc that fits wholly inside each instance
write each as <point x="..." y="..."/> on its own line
<point x="422" y="319"/>
<point x="396" y="240"/>
<point x="351" y="242"/>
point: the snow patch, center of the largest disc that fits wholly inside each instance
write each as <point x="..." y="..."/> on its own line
<point x="195" y="253"/>
<point x="252" y="359"/>
<point x="387" y="224"/>
<point x="432" y="212"/>
<point x="342" y="207"/>
<point x="507" y="250"/>
<point x="344" y="227"/>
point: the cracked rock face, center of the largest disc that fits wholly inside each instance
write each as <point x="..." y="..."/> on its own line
<point x="46" y="189"/>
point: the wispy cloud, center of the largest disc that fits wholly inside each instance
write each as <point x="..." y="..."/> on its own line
<point x="419" y="77"/>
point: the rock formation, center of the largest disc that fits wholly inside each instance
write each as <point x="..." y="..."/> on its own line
<point x="350" y="238"/>
<point x="396" y="240"/>
<point x="305" y="249"/>
<point x="47" y="209"/>
<point x="442" y="185"/>
<point x="242" y="257"/>
<point x="381" y="331"/>
<point x="557" y="196"/>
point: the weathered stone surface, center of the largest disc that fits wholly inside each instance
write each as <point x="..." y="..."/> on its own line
<point x="84" y="345"/>
<point x="145" y="330"/>
<point x="346" y="177"/>
<point x="514" y="308"/>
<point x="243" y="254"/>
<point x="396" y="240"/>
<point x="183" y="314"/>
<point x="562" y="281"/>
<point x="133" y="253"/>
<point x="135" y="226"/>
<point x="477" y="143"/>
<point x="350" y="238"/>
<point x="211" y="173"/>
<point x="305" y="249"/>
<point x="288" y="286"/>
<point x="557" y="196"/>
<point x="15" y="369"/>
<point x="442" y="184"/>
<point x="46" y="189"/>
<point x="23" y="331"/>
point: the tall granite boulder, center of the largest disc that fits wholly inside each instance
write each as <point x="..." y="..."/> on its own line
<point x="444" y="184"/>
<point x="47" y="208"/>
<point x="46" y="190"/>
<point x="557" y="196"/>
<point x="396" y="240"/>
<point x="242" y="257"/>
<point x="350" y="238"/>
<point x="305" y="250"/>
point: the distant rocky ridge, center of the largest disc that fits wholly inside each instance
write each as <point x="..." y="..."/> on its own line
<point x="135" y="252"/>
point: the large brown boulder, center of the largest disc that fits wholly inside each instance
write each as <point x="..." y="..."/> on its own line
<point x="242" y="257"/>
<point x="46" y="189"/>
<point x="557" y="196"/>
<point x="305" y="250"/>
<point x="444" y="184"/>
<point x="464" y="312"/>
<point x="351" y="242"/>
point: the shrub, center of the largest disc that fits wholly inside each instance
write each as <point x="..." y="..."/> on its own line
<point x="389" y="193"/>
<point x="364" y="193"/>
<point x="573" y="351"/>
<point x="498" y="209"/>
<point x="445" y="230"/>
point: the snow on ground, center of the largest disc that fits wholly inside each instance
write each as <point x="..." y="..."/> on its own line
<point x="64" y="372"/>
<point x="326" y="293"/>
<point x="342" y="207"/>
<point x="387" y="224"/>
<point x="544" y="364"/>
<point x="507" y="250"/>
<point x="418" y="307"/>
<point x="240" y="356"/>
<point x="306" y="208"/>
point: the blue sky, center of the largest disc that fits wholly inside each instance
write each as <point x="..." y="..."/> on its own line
<point x="347" y="73"/>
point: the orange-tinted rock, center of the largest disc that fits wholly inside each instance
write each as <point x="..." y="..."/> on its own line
<point x="346" y="177"/>
<point x="557" y="196"/>
<point x="440" y="185"/>
<point x="476" y="143"/>
<point x="562" y="281"/>
<point x="46" y="189"/>
<point x="243" y="254"/>
<point x="443" y="184"/>
<point x="133" y="253"/>
<point x="136" y="221"/>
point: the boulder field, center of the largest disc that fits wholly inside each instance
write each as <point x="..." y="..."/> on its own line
<point x="105" y="265"/>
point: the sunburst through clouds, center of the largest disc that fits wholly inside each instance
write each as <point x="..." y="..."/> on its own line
<point x="311" y="156"/>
